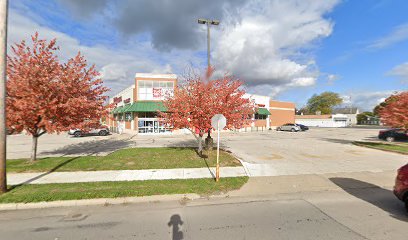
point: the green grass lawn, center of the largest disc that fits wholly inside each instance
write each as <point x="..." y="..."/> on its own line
<point x="70" y="191"/>
<point x="391" y="147"/>
<point x="125" y="159"/>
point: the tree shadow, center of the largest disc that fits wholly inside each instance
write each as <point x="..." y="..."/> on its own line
<point x="341" y="141"/>
<point x="91" y="148"/>
<point x="377" y="196"/>
<point x="43" y="174"/>
<point x="175" y="223"/>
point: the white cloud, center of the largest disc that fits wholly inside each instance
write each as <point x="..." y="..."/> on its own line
<point x="331" y="78"/>
<point x="401" y="72"/>
<point x="399" y="34"/>
<point x="117" y="66"/>
<point x="366" y="101"/>
<point x="264" y="47"/>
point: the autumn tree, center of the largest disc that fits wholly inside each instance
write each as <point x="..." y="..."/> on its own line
<point x="195" y="102"/>
<point x="45" y="95"/>
<point x="395" y="110"/>
<point x="323" y="102"/>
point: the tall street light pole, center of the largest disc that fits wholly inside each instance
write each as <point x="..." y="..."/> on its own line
<point x="3" y="56"/>
<point x="208" y="140"/>
<point x="208" y="23"/>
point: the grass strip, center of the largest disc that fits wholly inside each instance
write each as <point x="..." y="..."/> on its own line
<point x="75" y="191"/>
<point x="390" y="147"/>
<point x="126" y="159"/>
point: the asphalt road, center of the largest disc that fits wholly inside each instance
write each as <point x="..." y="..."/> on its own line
<point x="364" y="213"/>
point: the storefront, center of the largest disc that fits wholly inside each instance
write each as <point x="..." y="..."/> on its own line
<point x="137" y="107"/>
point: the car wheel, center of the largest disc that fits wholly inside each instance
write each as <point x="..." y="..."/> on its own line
<point x="293" y="130"/>
<point x="103" y="133"/>
<point x="278" y="129"/>
<point x="77" y="134"/>
<point x="390" y="139"/>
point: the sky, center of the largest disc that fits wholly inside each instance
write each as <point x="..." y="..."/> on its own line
<point x="285" y="49"/>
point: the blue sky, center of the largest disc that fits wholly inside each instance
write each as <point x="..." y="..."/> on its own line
<point x="288" y="50"/>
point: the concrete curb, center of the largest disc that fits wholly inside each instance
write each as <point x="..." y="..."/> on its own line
<point x="99" y="201"/>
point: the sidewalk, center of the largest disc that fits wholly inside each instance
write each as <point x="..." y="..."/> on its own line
<point x="121" y="175"/>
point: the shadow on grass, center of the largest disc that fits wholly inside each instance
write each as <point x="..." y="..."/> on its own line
<point x="91" y="147"/>
<point x="373" y="194"/>
<point x="43" y="174"/>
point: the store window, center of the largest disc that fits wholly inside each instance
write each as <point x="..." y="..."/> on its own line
<point x="128" y="116"/>
<point x="154" y="90"/>
<point x="260" y="117"/>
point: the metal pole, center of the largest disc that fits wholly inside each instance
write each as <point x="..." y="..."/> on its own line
<point x="217" y="174"/>
<point x="3" y="56"/>
<point x="208" y="44"/>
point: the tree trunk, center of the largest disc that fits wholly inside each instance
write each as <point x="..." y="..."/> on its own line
<point x="34" y="149"/>
<point x="200" y="144"/>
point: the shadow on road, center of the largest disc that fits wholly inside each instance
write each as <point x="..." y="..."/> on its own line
<point x="334" y="140"/>
<point x="175" y="221"/>
<point x="91" y="147"/>
<point x="377" y="196"/>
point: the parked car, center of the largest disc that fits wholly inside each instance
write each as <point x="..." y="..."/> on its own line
<point x="102" y="131"/>
<point x="401" y="185"/>
<point x="289" y="127"/>
<point x="303" y="127"/>
<point x="391" y="135"/>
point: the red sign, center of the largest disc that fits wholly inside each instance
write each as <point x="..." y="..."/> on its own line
<point x="117" y="99"/>
<point x="157" y="92"/>
<point x="261" y="105"/>
<point x="126" y="100"/>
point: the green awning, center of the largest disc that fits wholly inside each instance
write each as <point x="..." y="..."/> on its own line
<point x="146" y="107"/>
<point x="263" y="111"/>
<point x="117" y="110"/>
<point x="124" y="108"/>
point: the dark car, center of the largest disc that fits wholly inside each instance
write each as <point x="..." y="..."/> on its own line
<point x="391" y="135"/>
<point x="303" y="127"/>
<point x="401" y="185"/>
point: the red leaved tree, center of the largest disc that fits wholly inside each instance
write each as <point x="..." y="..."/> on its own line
<point x="394" y="111"/>
<point x="195" y="102"/>
<point x="47" y="96"/>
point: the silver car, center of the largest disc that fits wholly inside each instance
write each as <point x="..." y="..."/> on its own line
<point x="102" y="131"/>
<point x="289" y="127"/>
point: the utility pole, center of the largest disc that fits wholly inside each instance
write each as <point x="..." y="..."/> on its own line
<point x="3" y="57"/>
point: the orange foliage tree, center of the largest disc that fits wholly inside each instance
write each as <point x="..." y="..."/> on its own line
<point x="195" y="102"/>
<point x="394" y="111"/>
<point x="45" y="95"/>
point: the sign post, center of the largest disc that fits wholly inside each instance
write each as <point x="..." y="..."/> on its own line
<point x="218" y="121"/>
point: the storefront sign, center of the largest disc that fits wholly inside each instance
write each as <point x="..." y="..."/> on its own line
<point x="126" y="100"/>
<point x="261" y="105"/>
<point x="117" y="99"/>
<point x="157" y="92"/>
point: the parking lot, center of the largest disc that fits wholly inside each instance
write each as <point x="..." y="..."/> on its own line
<point x="269" y="153"/>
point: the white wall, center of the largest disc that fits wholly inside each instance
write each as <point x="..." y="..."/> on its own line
<point x="263" y="100"/>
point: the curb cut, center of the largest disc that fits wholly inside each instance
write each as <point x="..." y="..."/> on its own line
<point x="99" y="201"/>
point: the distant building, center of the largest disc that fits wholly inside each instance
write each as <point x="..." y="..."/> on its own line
<point x="350" y="112"/>
<point x="325" y="120"/>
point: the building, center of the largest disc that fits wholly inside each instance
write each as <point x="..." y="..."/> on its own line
<point x="137" y="106"/>
<point x="350" y="112"/>
<point x="326" y="120"/>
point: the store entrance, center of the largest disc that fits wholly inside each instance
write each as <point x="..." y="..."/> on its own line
<point x="151" y="125"/>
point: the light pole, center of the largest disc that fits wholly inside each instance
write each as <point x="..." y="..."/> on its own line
<point x="208" y="140"/>
<point x="3" y="54"/>
<point x="208" y="23"/>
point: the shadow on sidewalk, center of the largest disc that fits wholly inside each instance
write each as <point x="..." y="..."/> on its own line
<point x="373" y="194"/>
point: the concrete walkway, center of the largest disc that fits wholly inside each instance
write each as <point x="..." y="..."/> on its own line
<point x="121" y="175"/>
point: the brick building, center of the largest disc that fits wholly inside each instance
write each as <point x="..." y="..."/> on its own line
<point x="137" y="106"/>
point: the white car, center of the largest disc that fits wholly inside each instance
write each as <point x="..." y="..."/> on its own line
<point x="289" y="127"/>
<point x="103" y="131"/>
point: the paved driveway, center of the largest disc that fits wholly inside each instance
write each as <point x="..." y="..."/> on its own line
<point x="271" y="153"/>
